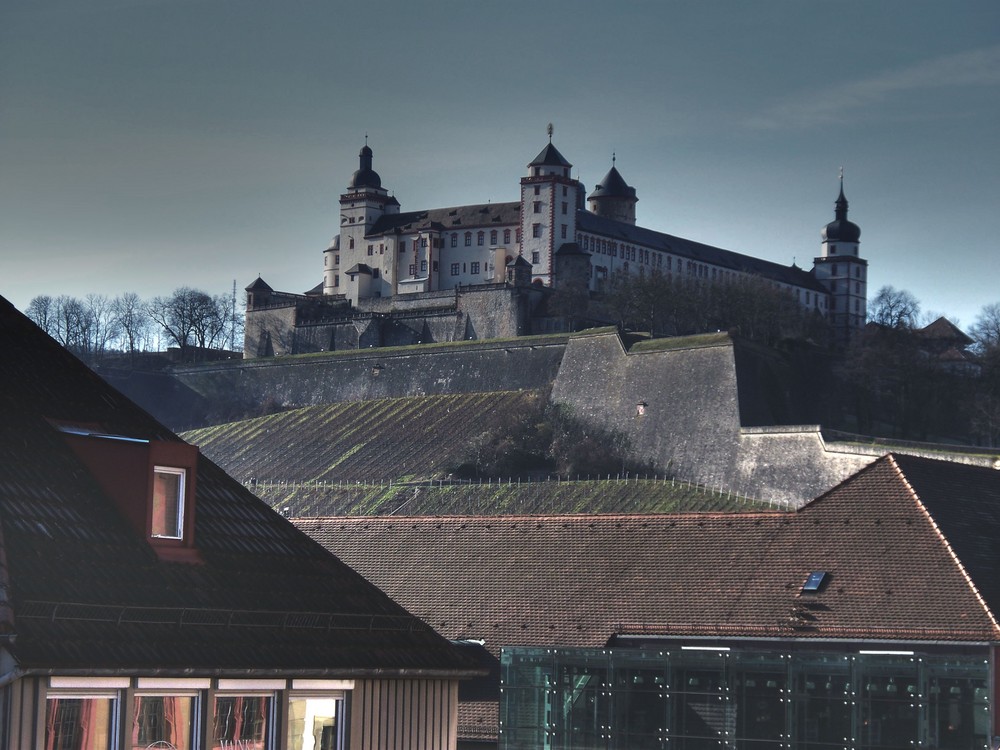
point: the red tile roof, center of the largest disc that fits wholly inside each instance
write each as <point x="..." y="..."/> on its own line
<point x="907" y="545"/>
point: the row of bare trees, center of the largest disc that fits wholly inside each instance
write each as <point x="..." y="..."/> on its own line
<point x="97" y="326"/>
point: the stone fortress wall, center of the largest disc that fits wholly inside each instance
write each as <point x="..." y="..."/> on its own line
<point x="693" y="407"/>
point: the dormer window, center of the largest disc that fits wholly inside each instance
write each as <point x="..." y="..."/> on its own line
<point x="153" y="483"/>
<point x="167" y="517"/>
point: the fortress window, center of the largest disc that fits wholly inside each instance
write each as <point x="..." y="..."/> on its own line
<point x="535" y="258"/>
<point x="518" y="234"/>
<point x="833" y="270"/>
<point x="371" y="249"/>
<point x="423" y="266"/>
<point x="538" y="190"/>
<point x="381" y="248"/>
<point x="565" y="206"/>
<point x="454" y="240"/>
<point x="423" y="242"/>
<point x="564" y="193"/>
<point x="537" y="207"/>
<point x="336" y="259"/>
<point x="375" y="273"/>
<point x="474" y="267"/>
<point x="833" y="249"/>
<point x="350" y="243"/>
<point x="336" y="279"/>
<point x="562" y="231"/>
<point x="402" y="246"/>
<point x="536" y="230"/>
<point x="481" y="238"/>
<point x="454" y="269"/>
<point x="468" y="239"/>
<point x="493" y="237"/>
<point x="413" y="269"/>
<point x="506" y="236"/>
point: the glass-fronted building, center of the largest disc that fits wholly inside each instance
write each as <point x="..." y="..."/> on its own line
<point x="762" y="697"/>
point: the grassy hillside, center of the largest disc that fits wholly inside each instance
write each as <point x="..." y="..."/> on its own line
<point x="499" y="498"/>
<point x="386" y="439"/>
<point x="395" y="456"/>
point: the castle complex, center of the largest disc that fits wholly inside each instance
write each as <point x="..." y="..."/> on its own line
<point x="484" y="270"/>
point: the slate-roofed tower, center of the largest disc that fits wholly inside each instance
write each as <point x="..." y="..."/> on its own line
<point x="841" y="269"/>
<point x="613" y="198"/>
<point x="549" y="197"/>
<point x="364" y="202"/>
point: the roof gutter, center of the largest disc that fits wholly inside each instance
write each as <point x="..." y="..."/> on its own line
<point x="869" y="642"/>
<point x="345" y="674"/>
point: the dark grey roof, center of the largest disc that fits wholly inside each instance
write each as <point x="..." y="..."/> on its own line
<point x="612" y="186"/>
<point x="359" y="268"/>
<point x="840" y="229"/>
<point x="83" y="590"/>
<point x="571" y="248"/>
<point x="549" y="157"/>
<point x="476" y="216"/>
<point x="618" y="230"/>
<point x="518" y="261"/>
<point x="259" y="286"/>
<point x="365" y="176"/>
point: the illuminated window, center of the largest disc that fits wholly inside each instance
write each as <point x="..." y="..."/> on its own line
<point x="80" y="722"/>
<point x="242" y="721"/>
<point x="168" y="502"/>
<point x="315" y="722"/>
<point x="162" y="721"/>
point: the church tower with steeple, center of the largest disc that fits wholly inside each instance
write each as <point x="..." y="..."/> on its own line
<point x="841" y="269"/>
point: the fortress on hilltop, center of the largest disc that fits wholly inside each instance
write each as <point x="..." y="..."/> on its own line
<point x="487" y="270"/>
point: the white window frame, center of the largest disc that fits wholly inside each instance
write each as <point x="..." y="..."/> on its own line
<point x="181" y="492"/>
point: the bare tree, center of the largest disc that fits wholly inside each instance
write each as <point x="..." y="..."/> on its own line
<point x="132" y="320"/>
<point x="190" y="317"/>
<point x="986" y="330"/>
<point x="894" y="308"/>
<point x="102" y="324"/>
<point x="42" y="311"/>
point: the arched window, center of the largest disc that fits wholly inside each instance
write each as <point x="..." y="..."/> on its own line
<point x="468" y="238"/>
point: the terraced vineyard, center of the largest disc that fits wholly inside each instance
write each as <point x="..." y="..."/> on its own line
<point x="394" y="456"/>
<point x="506" y="497"/>
<point x="387" y="439"/>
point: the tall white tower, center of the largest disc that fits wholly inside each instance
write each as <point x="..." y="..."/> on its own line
<point x="841" y="269"/>
<point x="349" y="267"/>
<point x="549" y="198"/>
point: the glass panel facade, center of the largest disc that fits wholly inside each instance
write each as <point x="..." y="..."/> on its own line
<point x="79" y="723"/>
<point x="162" y="721"/>
<point x="313" y="723"/>
<point x="572" y="699"/>
<point x="243" y="721"/>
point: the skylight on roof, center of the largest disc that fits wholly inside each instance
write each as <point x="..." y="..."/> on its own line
<point x="814" y="581"/>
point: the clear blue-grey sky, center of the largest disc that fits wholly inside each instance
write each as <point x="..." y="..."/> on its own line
<point x="150" y="144"/>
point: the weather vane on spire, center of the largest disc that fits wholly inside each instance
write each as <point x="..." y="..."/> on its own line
<point x="550" y="129"/>
<point x="366" y="137"/>
<point x="841" y="176"/>
<point x="613" y="158"/>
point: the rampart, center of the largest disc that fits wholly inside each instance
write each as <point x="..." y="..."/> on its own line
<point x="679" y="402"/>
<point x="430" y="369"/>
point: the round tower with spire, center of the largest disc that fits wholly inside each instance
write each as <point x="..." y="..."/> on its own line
<point x="613" y="198"/>
<point x="842" y="271"/>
